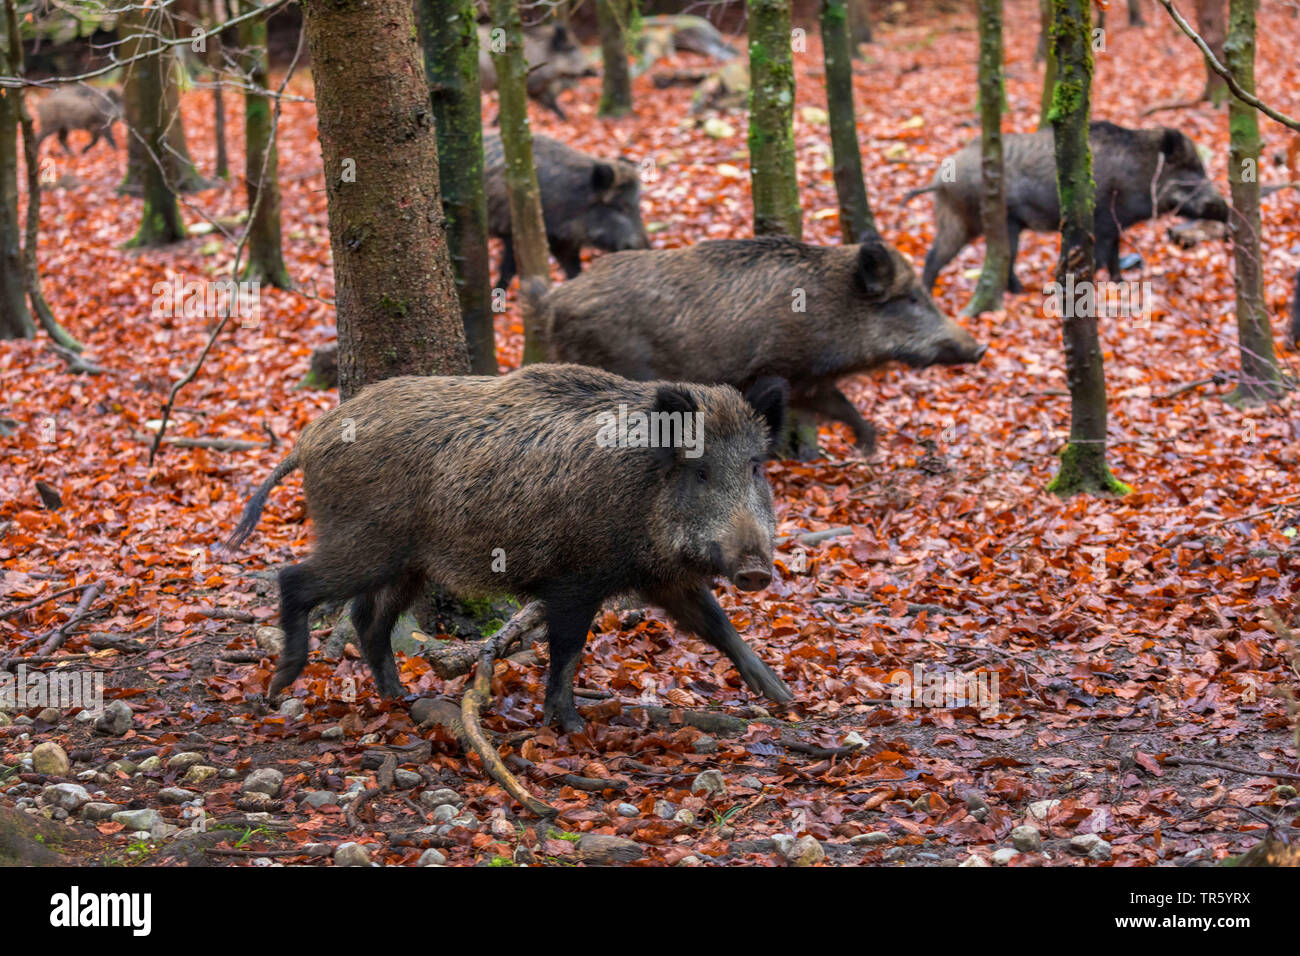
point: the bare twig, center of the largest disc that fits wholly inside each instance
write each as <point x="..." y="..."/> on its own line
<point x="1222" y="765"/>
<point x="41" y="600"/>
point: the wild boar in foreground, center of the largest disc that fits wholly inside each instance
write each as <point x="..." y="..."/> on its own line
<point x="80" y="107"/>
<point x="559" y="483"/>
<point x="586" y="201"/>
<point x="1128" y="166"/>
<point x="737" y="310"/>
<point x="554" y="62"/>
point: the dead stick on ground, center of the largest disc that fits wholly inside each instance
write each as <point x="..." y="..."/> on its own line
<point x="1219" y="764"/>
<point x="41" y="600"/>
<point x="477" y="696"/>
<point x="60" y="633"/>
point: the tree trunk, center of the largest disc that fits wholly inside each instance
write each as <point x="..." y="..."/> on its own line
<point x="216" y="15"/>
<point x="614" y="17"/>
<point x="395" y="293"/>
<point x="31" y="272"/>
<point x="178" y="167"/>
<point x="1046" y="8"/>
<point x="1135" y="18"/>
<point x="261" y="164"/>
<point x="859" y="25"/>
<point x="15" y="319"/>
<point x="1083" y="462"/>
<point x="146" y="79"/>
<point x="993" y="194"/>
<point x="1261" y="380"/>
<point x="855" y="210"/>
<point x="1213" y="27"/>
<point x="451" y="65"/>
<point x="771" y="121"/>
<point x="528" y="229"/>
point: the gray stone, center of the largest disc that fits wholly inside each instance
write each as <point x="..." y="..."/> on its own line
<point x="438" y="798"/>
<point x="750" y="782"/>
<point x="444" y="813"/>
<point x="320" y="798"/>
<point x="199" y="773"/>
<point x="174" y="795"/>
<point x="685" y="817"/>
<point x="49" y="758"/>
<point x="99" y="811"/>
<point x="116" y="719"/>
<point x="704" y="744"/>
<point x="49" y="715"/>
<point x="1027" y="839"/>
<point x="627" y="810"/>
<point x="870" y="839"/>
<point x="974" y="860"/>
<point x="709" y="782"/>
<point x="265" y="780"/>
<point x="351" y="854"/>
<point x="65" y="796"/>
<point x="332" y="733"/>
<point x="1004" y="856"/>
<point x="138" y="819"/>
<point x="184" y="760"/>
<point x="1040" y="809"/>
<point x="407" y="779"/>
<point x="150" y="764"/>
<point x="805" y="851"/>
<point x="270" y="639"/>
<point x="293" y="708"/>
<point x="1090" y="845"/>
<point x="432" y="858"/>
<point x="602" y="849"/>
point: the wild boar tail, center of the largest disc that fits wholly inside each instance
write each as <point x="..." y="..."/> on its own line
<point x="536" y="314"/>
<point x="912" y="194"/>
<point x="253" y="510"/>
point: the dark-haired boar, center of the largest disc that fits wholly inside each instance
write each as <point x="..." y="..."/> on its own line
<point x="734" y="311"/>
<point x="526" y="485"/>
<point x="554" y="62"/>
<point x="1128" y="166"/>
<point x="586" y="201"/>
<point x="79" y="107"/>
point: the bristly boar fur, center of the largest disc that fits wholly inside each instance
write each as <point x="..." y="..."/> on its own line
<point x="586" y="201"/>
<point x="554" y="62"/>
<point x="489" y="486"/>
<point x="79" y="107"/>
<point x="736" y="310"/>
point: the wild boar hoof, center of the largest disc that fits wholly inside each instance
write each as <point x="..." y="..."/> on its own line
<point x="566" y="718"/>
<point x="389" y="685"/>
<point x="1014" y="285"/>
<point x="763" y="680"/>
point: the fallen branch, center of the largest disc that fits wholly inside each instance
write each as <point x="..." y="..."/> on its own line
<point x="56" y="637"/>
<point x="213" y="444"/>
<point x="458" y="659"/>
<point x="76" y="363"/>
<point x="577" y="782"/>
<point x="1221" y="765"/>
<point x="41" y="600"/>
<point x="1181" y="105"/>
<point x="814" y="537"/>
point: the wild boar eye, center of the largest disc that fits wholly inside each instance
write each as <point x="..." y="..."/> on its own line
<point x="702" y="475"/>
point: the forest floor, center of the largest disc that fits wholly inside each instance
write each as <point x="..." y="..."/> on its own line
<point x="1121" y="633"/>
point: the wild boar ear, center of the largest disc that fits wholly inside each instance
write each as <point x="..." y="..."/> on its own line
<point x="875" y="266"/>
<point x="670" y="399"/>
<point x="602" y="177"/>
<point x="768" y="397"/>
<point x="1171" y="141"/>
<point x="560" y="38"/>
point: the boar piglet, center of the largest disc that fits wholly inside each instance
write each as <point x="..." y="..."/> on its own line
<point x="737" y="310"/>
<point x="1129" y="166"/>
<point x="586" y="201"/>
<point x="530" y="485"/>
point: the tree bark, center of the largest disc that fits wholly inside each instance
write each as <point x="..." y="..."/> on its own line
<point x="15" y="319"/>
<point x="528" y="229"/>
<point x="395" y="293"/>
<point x="771" y="121"/>
<point x="993" y="195"/>
<point x="846" y="155"/>
<point x="1046" y="8"/>
<point x="1083" y="462"/>
<point x="1212" y="27"/>
<point x="147" y="115"/>
<point x="216" y="15"/>
<point x="615" y="21"/>
<point x="1135" y="18"/>
<point x="261" y="164"/>
<point x="1261" y="380"/>
<point x="451" y="64"/>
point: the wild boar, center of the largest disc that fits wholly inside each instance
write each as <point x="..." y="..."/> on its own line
<point x="554" y="62"/>
<point x="737" y="310"/>
<point x="529" y="484"/>
<point x="1129" y="166"/>
<point x="586" y="201"/>
<point x="79" y="107"/>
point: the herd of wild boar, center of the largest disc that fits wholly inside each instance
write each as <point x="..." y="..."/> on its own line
<point x="635" y="462"/>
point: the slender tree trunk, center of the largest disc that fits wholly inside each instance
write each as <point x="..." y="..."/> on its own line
<point x="451" y="65"/>
<point x="15" y="319"/>
<point x="993" y="193"/>
<point x="395" y="293"/>
<point x="771" y="121"/>
<point x="216" y="15"/>
<point x="1213" y="27"/>
<point x="615" y="20"/>
<point x="1046" y="9"/>
<point x="1083" y="462"/>
<point x="261" y="164"/>
<point x="1135" y="18"/>
<point x="850" y="189"/>
<point x="160" y="218"/>
<point x="528" y="229"/>
<point x="859" y="25"/>
<point x="31" y="271"/>
<point x="1261" y="380"/>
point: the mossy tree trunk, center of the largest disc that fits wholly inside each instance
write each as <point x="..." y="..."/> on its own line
<point x="615" y="21"/>
<point x="771" y="121"/>
<point x="1046" y="13"/>
<point x="450" y="41"/>
<point x="216" y="15"/>
<point x="395" y="292"/>
<point x="1083" y="462"/>
<point x="993" y="193"/>
<point x="528" y="229"/>
<point x="1212" y="26"/>
<point x="846" y="156"/>
<point x="15" y="319"/>
<point x="146" y="79"/>
<point x="144" y="30"/>
<point x="1261" y="380"/>
<point x="261" y="163"/>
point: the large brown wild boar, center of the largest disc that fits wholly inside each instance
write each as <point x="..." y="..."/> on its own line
<point x="526" y="485"/>
<point x="79" y="107"/>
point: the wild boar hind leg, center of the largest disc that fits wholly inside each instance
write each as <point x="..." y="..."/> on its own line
<point x="568" y="617"/>
<point x="829" y="402"/>
<point x="699" y="612"/>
